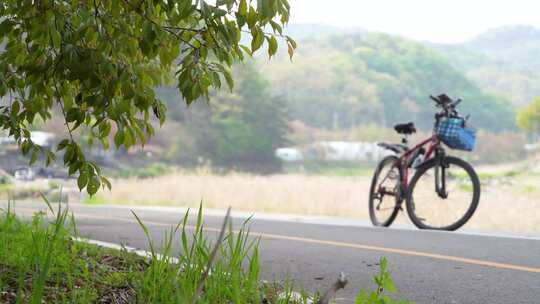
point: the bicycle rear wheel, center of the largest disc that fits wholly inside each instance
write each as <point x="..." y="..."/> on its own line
<point x="443" y="194"/>
<point x="385" y="194"/>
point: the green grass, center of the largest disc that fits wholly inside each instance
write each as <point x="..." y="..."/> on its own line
<point x="5" y="188"/>
<point x="530" y="189"/>
<point x="41" y="263"/>
<point x="502" y="174"/>
<point x="153" y="170"/>
<point x="466" y="187"/>
<point x="95" y="199"/>
<point x="64" y="271"/>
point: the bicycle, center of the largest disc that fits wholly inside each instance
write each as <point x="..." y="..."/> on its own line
<point x="444" y="192"/>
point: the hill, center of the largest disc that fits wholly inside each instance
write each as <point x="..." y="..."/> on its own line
<point x="514" y="45"/>
<point x="344" y="80"/>
<point x="502" y="61"/>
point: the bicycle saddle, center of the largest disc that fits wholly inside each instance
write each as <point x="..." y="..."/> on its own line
<point x="407" y="128"/>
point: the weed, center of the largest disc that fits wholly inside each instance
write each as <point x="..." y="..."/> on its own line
<point x="384" y="283"/>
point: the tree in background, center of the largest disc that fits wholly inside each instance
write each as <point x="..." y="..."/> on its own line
<point x="98" y="62"/>
<point x="245" y="127"/>
<point x="528" y="118"/>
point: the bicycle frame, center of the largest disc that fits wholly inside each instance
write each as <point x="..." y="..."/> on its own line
<point x="433" y="143"/>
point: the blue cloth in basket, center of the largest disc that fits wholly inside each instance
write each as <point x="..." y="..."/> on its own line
<point x="453" y="133"/>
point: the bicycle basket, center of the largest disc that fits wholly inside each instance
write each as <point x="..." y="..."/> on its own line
<point x="454" y="134"/>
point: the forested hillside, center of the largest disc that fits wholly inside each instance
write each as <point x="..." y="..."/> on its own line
<point x="345" y="80"/>
<point x="515" y="45"/>
<point x="502" y="61"/>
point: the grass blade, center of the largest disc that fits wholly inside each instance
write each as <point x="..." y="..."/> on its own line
<point x="213" y="254"/>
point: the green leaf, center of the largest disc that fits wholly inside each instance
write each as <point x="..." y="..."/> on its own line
<point x="276" y="27"/>
<point x="383" y="264"/>
<point x="33" y="157"/>
<point x="25" y="147"/>
<point x="82" y="180"/>
<point x="50" y="158"/>
<point x="362" y="297"/>
<point x="246" y="50"/>
<point x="272" y="46"/>
<point x="242" y="8"/>
<point x="6" y="27"/>
<point x="91" y="36"/>
<point x="291" y="41"/>
<point x="257" y="40"/>
<point x="119" y="138"/>
<point x="106" y="183"/>
<point x="129" y="138"/>
<point x="218" y="13"/>
<point x="228" y="77"/>
<point x="388" y="284"/>
<point x="73" y="167"/>
<point x="15" y="108"/>
<point x="56" y="38"/>
<point x="252" y="18"/>
<point x="63" y="144"/>
<point x="93" y="185"/>
<point x="290" y="50"/>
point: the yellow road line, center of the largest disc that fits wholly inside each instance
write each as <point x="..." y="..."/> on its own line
<point x="336" y="244"/>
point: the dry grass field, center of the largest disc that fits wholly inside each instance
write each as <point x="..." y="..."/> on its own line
<point x="510" y="202"/>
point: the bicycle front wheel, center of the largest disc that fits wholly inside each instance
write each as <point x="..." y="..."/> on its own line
<point x="443" y="194"/>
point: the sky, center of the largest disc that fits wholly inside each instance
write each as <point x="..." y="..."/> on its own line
<point x="449" y="21"/>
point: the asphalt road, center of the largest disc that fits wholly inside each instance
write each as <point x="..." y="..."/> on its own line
<point x="428" y="266"/>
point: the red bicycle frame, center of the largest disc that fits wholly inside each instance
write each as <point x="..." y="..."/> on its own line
<point x="404" y="159"/>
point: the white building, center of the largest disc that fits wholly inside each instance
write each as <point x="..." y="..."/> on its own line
<point x="334" y="151"/>
<point x="44" y="139"/>
<point x="289" y="154"/>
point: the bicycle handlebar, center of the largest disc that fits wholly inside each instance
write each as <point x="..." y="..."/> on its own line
<point x="445" y="102"/>
<point x="448" y="107"/>
<point x="456" y="103"/>
<point x="435" y="99"/>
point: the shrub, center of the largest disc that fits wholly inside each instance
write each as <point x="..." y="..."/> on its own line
<point x="498" y="147"/>
<point x="153" y="170"/>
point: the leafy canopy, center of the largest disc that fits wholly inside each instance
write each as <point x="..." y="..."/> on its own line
<point x="97" y="63"/>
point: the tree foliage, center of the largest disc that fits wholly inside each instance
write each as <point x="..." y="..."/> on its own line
<point x="238" y="130"/>
<point x="528" y="118"/>
<point x="98" y="62"/>
<point x="248" y="126"/>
